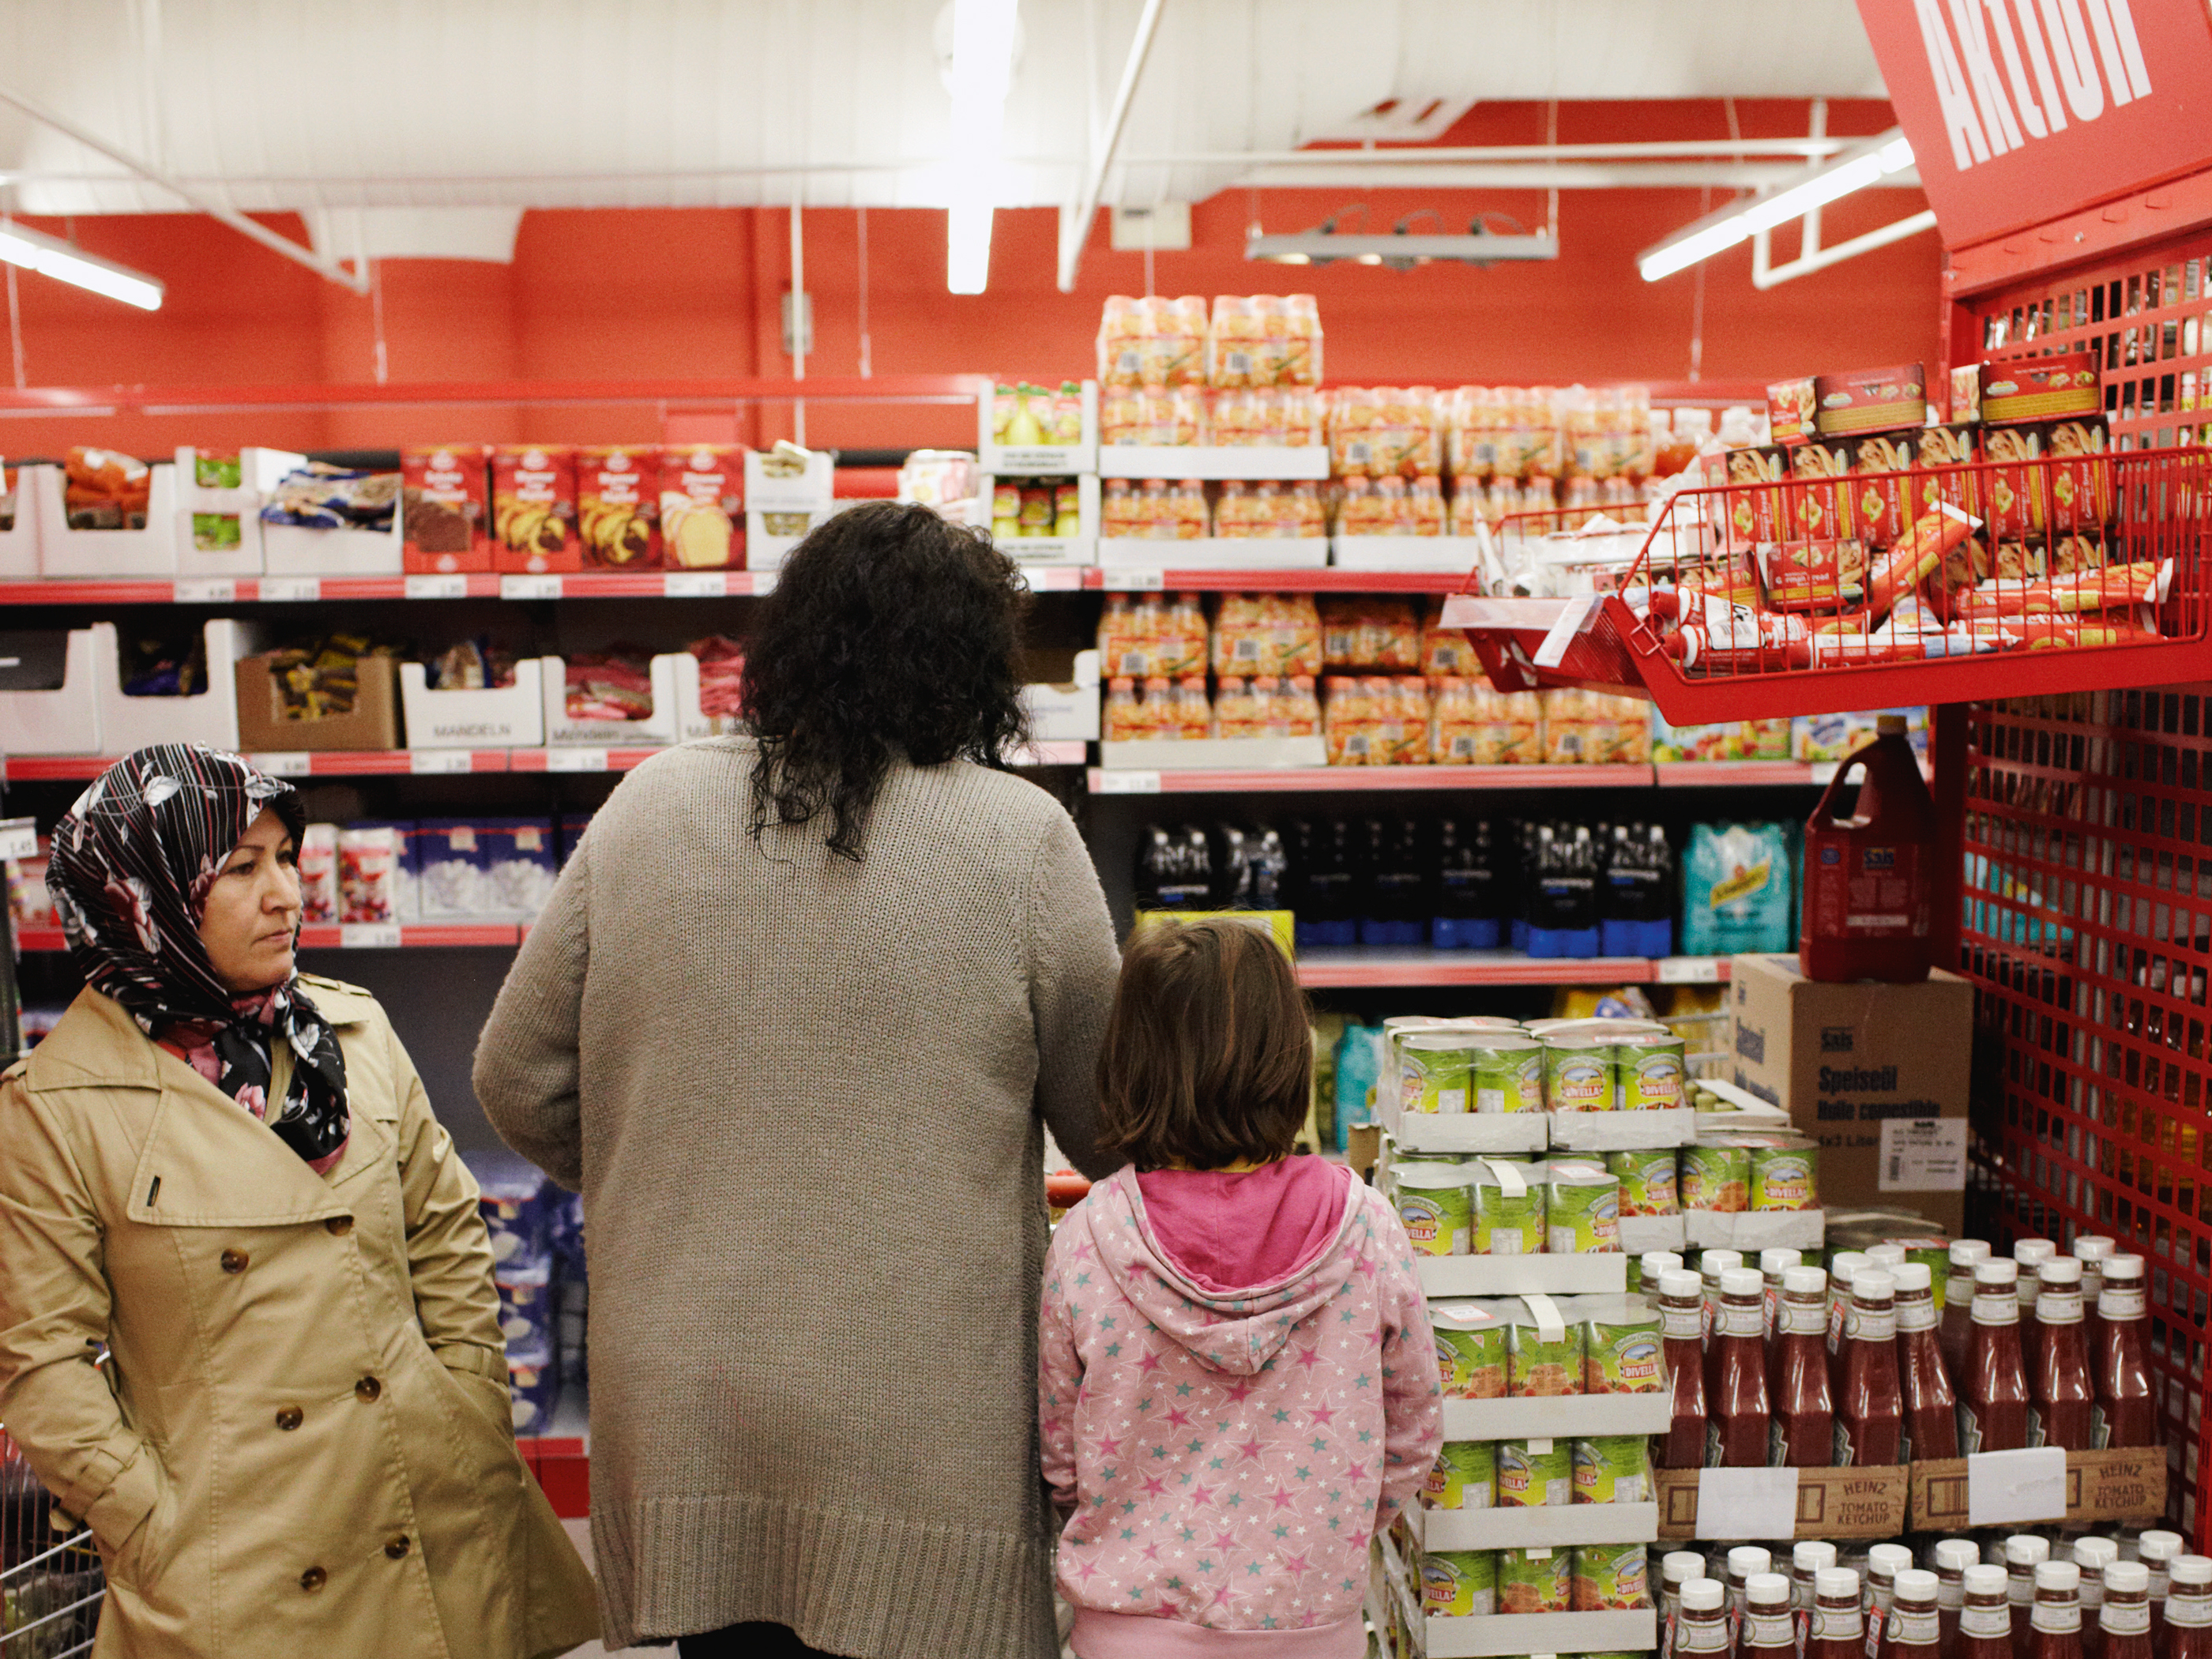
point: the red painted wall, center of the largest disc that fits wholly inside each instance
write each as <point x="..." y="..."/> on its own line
<point x="687" y="292"/>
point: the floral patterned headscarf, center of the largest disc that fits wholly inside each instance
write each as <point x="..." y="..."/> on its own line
<point x="129" y="873"/>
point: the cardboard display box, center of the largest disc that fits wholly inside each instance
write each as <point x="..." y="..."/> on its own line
<point x="2100" y="1486"/>
<point x="374" y="723"/>
<point x="1878" y="1074"/>
<point x="1868" y="1502"/>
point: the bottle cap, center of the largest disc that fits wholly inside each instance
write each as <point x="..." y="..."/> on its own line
<point x="1779" y="1260"/>
<point x="1997" y="1271"/>
<point x="1681" y="1566"/>
<point x="1887" y="1255"/>
<point x="2024" y="1549"/>
<point x="1916" y="1584"/>
<point x="1803" y="1281"/>
<point x="1957" y="1554"/>
<point x="1703" y="1595"/>
<point x="2060" y="1270"/>
<point x="1655" y="1262"/>
<point x="1834" y="1583"/>
<point x="1680" y="1282"/>
<point x="2027" y="1250"/>
<point x="2124" y="1266"/>
<point x="1887" y="1560"/>
<point x="1889" y="725"/>
<point x="1965" y="1252"/>
<point x="1872" y="1285"/>
<point x="2065" y="1576"/>
<point x="2094" y="1247"/>
<point x="1985" y="1580"/>
<point x="1742" y="1281"/>
<point x="1764" y="1589"/>
<point x="1844" y="1264"/>
<point x="2095" y="1554"/>
<point x="2158" y="1544"/>
<point x="2128" y="1577"/>
<point x="1913" y="1276"/>
<point x="2194" y="1571"/>
<point x="1746" y="1559"/>
<point x="1812" y="1555"/>
<point x="1713" y="1263"/>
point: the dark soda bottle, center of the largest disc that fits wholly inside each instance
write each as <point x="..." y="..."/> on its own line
<point x="1318" y="882"/>
<point x="1468" y="898"/>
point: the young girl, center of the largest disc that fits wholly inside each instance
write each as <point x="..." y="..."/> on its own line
<point x="1238" y="1387"/>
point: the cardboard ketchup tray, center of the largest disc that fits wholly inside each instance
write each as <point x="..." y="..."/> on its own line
<point x="2088" y="1486"/>
<point x="1826" y="1502"/>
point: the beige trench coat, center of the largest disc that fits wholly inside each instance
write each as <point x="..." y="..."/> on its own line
<point x="302" y="1446"/>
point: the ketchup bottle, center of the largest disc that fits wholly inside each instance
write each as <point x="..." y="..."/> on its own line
<point x="1953" y="1557"/>
<point x="1676" y="1569"/>
<point x="2094" y="1556"/>
<point x="2127" y="1409"/>
<point x="1915" y="1628"/>
<point x="1650" y="1265"/>
<point x="1985" y="1617"/>
<point x="2031" y="1254"/>
<point x="1769" y="1631"/>
<point x="2157" y="1549"/>
<point x="1745" y="1562"/>
<point x="2055" y="1631"/>
<point x="1711" y="1264"/>
<point x="1736" y="1432"/>
<point x="1958" y="1325"/>
<point x="1841" y="1267"/>
<point x="1803" y="1436"/>
<point x="2065" y="1401"/>
<point x="1931" y="1406"/>
<point x="2092" y="1251"/>
<point x="1870" y="1410"/>
<point x="1701" y="1626"/>
<point x="1993" y="1394"/>
<point x="1838" y="1626"/>
<point x="1884" y="1563"/>
<point x="2189" y="1608"/>
<point x="1681" y="1304"/>
<point x="1772" y="1264"/>
<point x="2023" y="1552"/>
<point x="2124" y="1623"/>
<point x="1806" y="1561"/>
<point x="1869" y="878"/>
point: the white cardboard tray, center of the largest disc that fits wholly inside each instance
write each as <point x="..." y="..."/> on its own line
<point x="1613" y="1132"/>
<point x="1552" y="1527"/>
<point x="1558" y="1417"/>
<point x="1749" y="1231"/>
<point x="1605" y="1274"/>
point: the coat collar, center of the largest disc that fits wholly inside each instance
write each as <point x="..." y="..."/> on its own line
<point x="218" y="1164"/>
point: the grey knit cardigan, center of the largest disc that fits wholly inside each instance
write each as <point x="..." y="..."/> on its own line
<point x="805" y="1099"/>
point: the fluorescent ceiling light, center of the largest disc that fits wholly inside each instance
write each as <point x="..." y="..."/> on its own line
<point x="984" y="37"/>
<point x="1304" y="248"/>
<point x="51" y="257"/>
<point x="1866" y="164"/>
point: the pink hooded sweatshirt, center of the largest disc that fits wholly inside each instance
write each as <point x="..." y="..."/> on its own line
<point x="1239" y="1390"/>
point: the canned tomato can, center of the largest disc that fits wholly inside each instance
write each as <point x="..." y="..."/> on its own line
<point x="1534" y="1474"/>
<point x="1465" y="1477"/>
<point x="1507" y="1205"/>
<point x="1537" y="1362"/>
<point x="1534" y="1580"/>
<point x="1456" y="1583"/>
<point x="1433" y="1206"/>
<point x="1578" y="1074"/>
<point x="1623" y="1346"/>
<point x="1715" y="1176"/>
<point x="1786" y="1176"/>
<point x="1433" y="1072"/>
<point x="1650" y="1072"/>
<point x="1614" y="1468"/>
<point x="1506" y="1073"/>
<point x="1470" y="1350"/>
<point x="1610" y="1578"/>
<point x="1581" y="1207"/>
<point x="1647" y="1181"/>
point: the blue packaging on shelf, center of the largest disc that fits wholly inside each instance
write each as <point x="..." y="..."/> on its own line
<point x="1563" y="941"/>
<point x="573" y="825"/>
<point x="519" y="864"/>
<point x="1400" y="934"/>
<point x="537" y="1391"/>
<point x="449" y="869"/>
<point x="516" y="1215"/>
<point x="1461" y="933"/>
<point x="1520" y="933"/>
<point x="527" y="1319"/>
<point x="1739" y="890"/>
<point x="566" y="1218"/>
<point x="1636" y="939"/>
<point x="1323" y="935"/>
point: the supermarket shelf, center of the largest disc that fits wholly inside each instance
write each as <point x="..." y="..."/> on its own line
<point x="294" y="763"/>
<point x="1357" y="968"/>
<point x="308" y="590"/>
<point x="1361" y="778"/>
<point x="1700" y="773"/>
<point x="361" y="936"/>
<point x="1144" y="578"/>
<point x="720" y="393"/>
<point x="1212" y="461"/>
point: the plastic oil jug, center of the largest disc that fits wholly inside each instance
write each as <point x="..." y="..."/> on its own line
<point x="1869" y="878"/>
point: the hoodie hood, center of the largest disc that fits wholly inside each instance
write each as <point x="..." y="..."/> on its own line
<point x="1237" y="1331"/>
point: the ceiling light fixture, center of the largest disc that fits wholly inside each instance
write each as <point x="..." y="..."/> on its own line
<point x="51" y="257"/>
<point x="1401" y="250"/>
<point x="1878" y="159"/>
<point x="984" y="33"/>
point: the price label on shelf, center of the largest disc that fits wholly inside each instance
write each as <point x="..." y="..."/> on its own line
<point x="1134" y="581"/>
<point x="575" y="760"/>
<point x="1052" y="578"/>
<point x="764" y="583"/>
<point x="1120" y="782"/>
<point x="1824" y="772"/>
<point x="286" y="763"/>
<point x="1686" y="970"/>
<point x="369" y="936"/>
<point x="291" y="590"/>
<point x="428" y="763"/>
<point x="530" y="588"/>
<point x="695" y="584"/>
<point x="437" y="587"/>
<point x="19" y="838"/>
<point x="207" y="590"/>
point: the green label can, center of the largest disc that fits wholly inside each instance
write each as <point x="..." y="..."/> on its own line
<point x="1534" y="1474"/>
<point x="1610" y="1578"/>
<point x="1582" y="1204"/>
<point x="1716" y="1178"/>
<point x="1537" y="1365"/>
<point x="1456" y="1583"/>
<point x="1787" y="1177"/>
<point x="1578" y="1074"/>
<point x="1433" y="1072"/>
<point x="1614" y="1468"/>
<point x="1434" y="1209"/>
<point x="1470" y="1351"/>
<point x="1624" y="1349"/>
<point x="1536" y="1581"/>
<point x="1465" y="1477"/>
<point x="1651" y="1073"/>
<point x="1505" y="1223"/>
<point x="1507" y="1075"/>
<point x="1647" y="1181"/>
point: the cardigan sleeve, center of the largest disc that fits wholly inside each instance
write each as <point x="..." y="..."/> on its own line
<point x="527" y="1069"/>
<point x="1072" y="964"/>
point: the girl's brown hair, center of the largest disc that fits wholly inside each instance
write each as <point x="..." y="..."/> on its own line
<point x="1208" y="1055"/>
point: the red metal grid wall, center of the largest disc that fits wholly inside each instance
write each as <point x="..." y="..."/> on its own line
<point x="2087" y="932"/>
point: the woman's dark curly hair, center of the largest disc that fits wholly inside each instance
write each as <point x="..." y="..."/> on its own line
<point x="890" y="633"/>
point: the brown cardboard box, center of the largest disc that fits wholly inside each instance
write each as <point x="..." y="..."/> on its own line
<point x="263" y="729"/>
<point x="2100" y="1486"/>
<point x="1866" y="1503"/>
<point x="1878" y="1074"/>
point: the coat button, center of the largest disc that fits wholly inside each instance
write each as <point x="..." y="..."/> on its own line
<point x="234" y="1261"/>
<point x="289" y="1417"/>
<point x="366" y="1390"/>
<point x="399" y="1546"/>
<point x="339" y="1225"/>
<point x="314" y="1579"/>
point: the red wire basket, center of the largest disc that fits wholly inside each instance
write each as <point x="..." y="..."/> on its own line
<point x="1802" y="592"/>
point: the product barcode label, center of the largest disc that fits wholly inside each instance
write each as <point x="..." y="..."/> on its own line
<point x="1120" y="782"/>
<point x="369" y="936"/>
<point x="426" y="762"/>
<point x="530" y="588"/>
<point x="437" y="587"/>
<point x="1134" y="581"/>
<point x="207" y="590"/>
<point x="1687" y="971"/>
<point x="575" y="760"/>
<point x="284" y="763"/>
<point x="695" y="584"/>
<point x="291" y="590"/>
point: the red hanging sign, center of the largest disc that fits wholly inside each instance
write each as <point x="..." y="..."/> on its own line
<point x="2021" y="110"/>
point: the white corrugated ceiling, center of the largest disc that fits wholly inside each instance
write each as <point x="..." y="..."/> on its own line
<point x="306" y="104"/>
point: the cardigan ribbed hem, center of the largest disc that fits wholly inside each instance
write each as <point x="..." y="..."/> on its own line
<point x="1123" y="1636"/>
<point x="871" y="1586"/>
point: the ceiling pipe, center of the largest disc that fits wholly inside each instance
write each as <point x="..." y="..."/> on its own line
<point x="1075" y="230"/>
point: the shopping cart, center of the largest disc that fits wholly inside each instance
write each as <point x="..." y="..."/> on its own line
<point x="51" y="1585"/>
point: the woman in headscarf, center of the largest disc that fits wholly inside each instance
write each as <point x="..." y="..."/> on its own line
<point x="248" y="1334"/>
